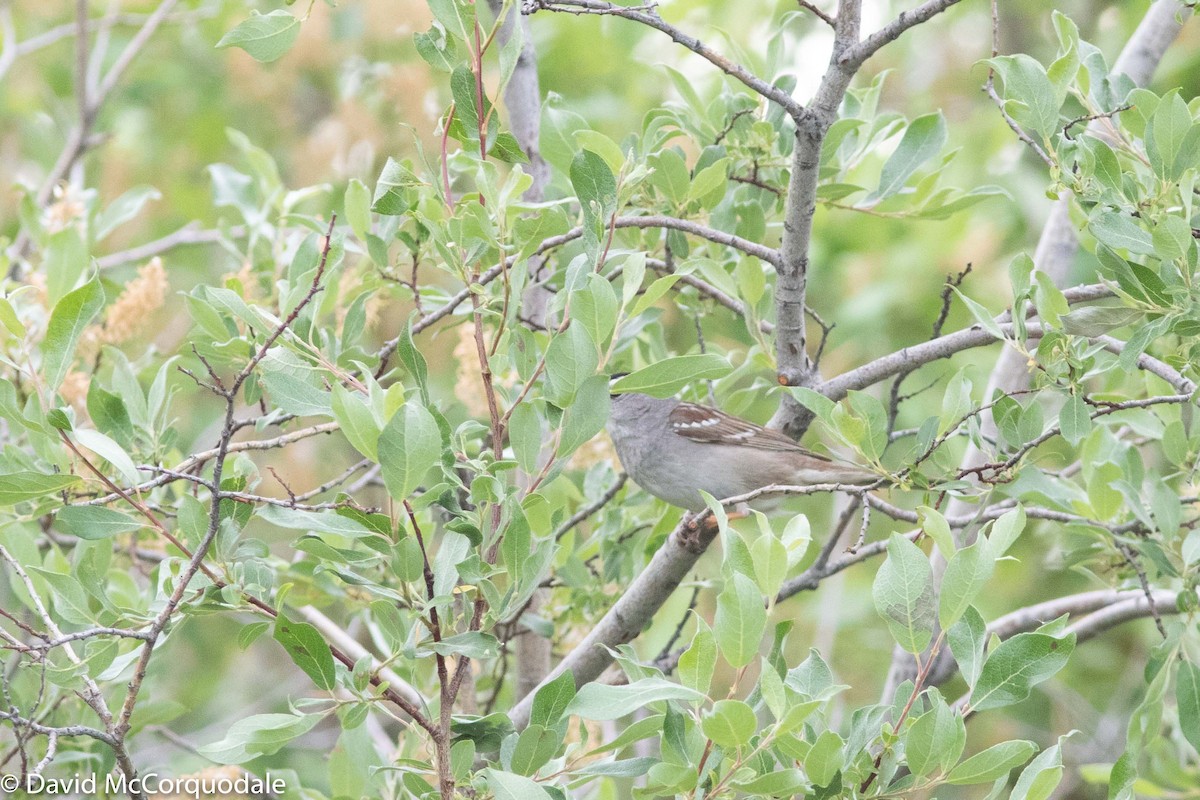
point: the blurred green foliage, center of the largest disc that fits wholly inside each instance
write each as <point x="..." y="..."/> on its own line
<point x="349" y="120"/>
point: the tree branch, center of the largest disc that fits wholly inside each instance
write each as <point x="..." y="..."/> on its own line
<point x="634" y="608"/>
<point x="523" y="101"/>
<point x="486" y="277"/>
<point x="889" y="33"/>
<point x="649" y="17"/>
<point x="80" y="139"/>
<point x="1054" y="256"/>
<point x="909" y="358"/>
<point x="189" y="234"/>
<point x="1107" y="608"/>
<point x="791" y="282"/>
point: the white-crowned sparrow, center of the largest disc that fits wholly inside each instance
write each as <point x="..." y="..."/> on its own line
<point x="674" y="450"/>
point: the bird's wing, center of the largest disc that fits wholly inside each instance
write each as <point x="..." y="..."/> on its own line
<point x="710" y="426"/>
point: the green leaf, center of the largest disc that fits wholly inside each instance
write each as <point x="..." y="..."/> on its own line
<point x="981" y="315"/>
<point x="598" y="701"/>
<point x="454" y="550"/>
<point x="535" y="746"/>
<point x="1100" y="319"/>
<point x="70" y="599"/>
<point x="123" y="209"/>
<point x="1074" y="420"/>
<point x="472" y="644"/>
<point x="594" y="185"/>
<point x="595" y="307"/>
<point x="456" y="16"/>
<point x="507" y="786"/>
<point x="904" y="595"/>
<point x="262" y="734"/>
<point x="796" y="537"/>
<point x="315" y="521"/>
<point x="66" y="258"/>
<point x="935" y="740"/>
<point x="1006" y="530"/>
<point x="1172" y="237"/>
<point x="486" y="732"/>
<point x="624" y="768"/>
<point x="825" y="758"/>
<point x="923" y="140"/>
<point x="17" y="487"/>
<point x="110" y="451"/>
<point x="1041" y="777"/>
<point x="946" y="204"/>
<point x="937" y="529"/>
<point x="819" y="404"/>
<point x="9" y="319"/>
<point x="95" y="522"/>
<point x="556" y="138"/>
<point x="871" y="418"/>
<point x="643" y="728"/>
<point x="551" y="700"/>
<point x="1016" y="666"/>
<point x="70" y="317"/>
<point x="967" y="639"/>
<point x="670" y="174"/>
<point x="308" y="649"/>
<point x="265" y="37"/>
<point x="1187" y="696"/>
<point x="294" y="384"/>
<point x="770" y="686"/>
<point x="653" y="293"/>
<point x="956" y="403"/>
<point x="109" y="413"/>
<point x="1169" y="127"/>
<point x="440" y="51"/>
<point x="409" y="446"/>
<point x="1030" y="95"/>
<point x="770" y="559"/>
<point x="1119" y="232"/>
<point x="729" y="724"/>
<point x="393" y="191"/>
<point x="413" y="361"/>
<point x="467" y="114"/>
<point x="357" y="203"/>
<point x="571" y="359"/>
<point x="250" y="633"/>
<point x="586" y="416"/>
<point x="740" y="620"/>
<point x="668" y="376"/>
<point x="966" y="574"/>
<point x="525" y="435"/>
<point x="813" y="677"/>
<point x="596" y="189"/>
<point x="995" y="762"/>
<point x="697" y="663"/>
<point x="356" y="421"/>
<point x="709" y="184"/>
<point x="778" y="783"/>
<point x="57" y="419"/>
<point x="1051" y="303"/>
<point x="603" y="146"/>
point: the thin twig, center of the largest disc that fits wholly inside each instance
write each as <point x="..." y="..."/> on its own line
<point x="591" y="508"/>
<point x="989" y="87"/>
<point x="650" y="18"/>
<point x="818" y="13"/>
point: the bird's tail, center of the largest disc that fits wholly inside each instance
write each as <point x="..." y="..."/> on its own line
<point x="837" y="473"/>
<point x="854" y="475"/>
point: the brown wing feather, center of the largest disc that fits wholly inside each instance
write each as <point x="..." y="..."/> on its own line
<point x="710" y="426"/>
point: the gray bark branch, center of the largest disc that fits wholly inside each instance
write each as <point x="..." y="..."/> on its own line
<point x="1054" y="255"/>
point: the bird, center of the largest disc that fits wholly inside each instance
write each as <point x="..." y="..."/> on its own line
<point x="675" y="449"/>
